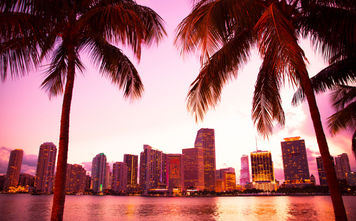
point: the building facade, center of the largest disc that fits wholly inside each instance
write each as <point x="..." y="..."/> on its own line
<point x="205" y="140"/>
<point x="98" y="172"/>
<point x="132" y="169"/>
<point x="174" y="170"/>
<point x="119" y="177"/>
<point x="26" y="180"/>
<point x="245" y="171"/>
<point x="46" y="163"/>
<point x="295" y="161"/>
<point x="262" y="171"/>
<point x="321" y="172"/>
<point x="342" y="166"/>
<point x="193" y="169"/>
<point x="13" y="168"/>
<point x="76" y="179"/>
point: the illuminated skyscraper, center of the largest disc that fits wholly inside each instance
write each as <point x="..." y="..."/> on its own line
<point x="119" y="177"/>
<point x="13" y="168"/>
<point x="262" y="170"/>
<point x="205" y="140"/>
<point x="132" y="166"/>
<point x="98" y="172"/>
<point x="174" y="172"/>
<point x="108" y="177"/>
<point x="150" y="168"/>
<point x="245" y="171"/>
<point x="321" y="171"/>
<point x="193" y="168"/>
<point x="295" y="161"/>
<point x="342" y="166"/>
<point x="76" y="178"/>
<point x="45" y="168"/>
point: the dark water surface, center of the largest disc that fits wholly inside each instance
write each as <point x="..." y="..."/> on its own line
<point x="20" y="207"/>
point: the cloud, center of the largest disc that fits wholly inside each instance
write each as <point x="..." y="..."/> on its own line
<point x="4" y="159"/>
<point x="29" y="162"/>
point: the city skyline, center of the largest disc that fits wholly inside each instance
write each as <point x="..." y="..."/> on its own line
<point x="105" y="122"/>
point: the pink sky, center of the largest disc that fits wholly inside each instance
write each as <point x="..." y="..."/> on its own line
<point x="102" y="121"/>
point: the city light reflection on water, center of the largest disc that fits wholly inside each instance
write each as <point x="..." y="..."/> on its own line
<point x="77" y="208"/>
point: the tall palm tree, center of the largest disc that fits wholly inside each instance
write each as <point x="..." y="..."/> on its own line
<point x="225" y="31"/>
<point x="60" y="30"/>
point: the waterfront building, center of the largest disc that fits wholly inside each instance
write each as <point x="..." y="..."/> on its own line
<point x="312" y="179"/>
<point x="295" y="161"/>
<point x="193" y="169"/>
<point x="174" y="172"/>
<point x="98" y="172"/>
<point x="245" y="171"/>
<point x="13" y="168"/>
<point x="76" y="179"/>
<point x="205" y="140"/>
<point x="108" y="177"/>
<point x="87" y="183"/>
<point x="321" y="171"/>
<point x="46" y="163"/>
<point x="119" y="177"/>
<point x="351" y="178"/>
<point x="26" y="180"/>
<point x="262" y="171"/>
<point x="225" y="179"/>
<point x="150" y="168"/>
<point x="230" y="181"/>
<point x="342" y="166"/>
<point x="2" y="181"/>
<point x="132" y="169"/>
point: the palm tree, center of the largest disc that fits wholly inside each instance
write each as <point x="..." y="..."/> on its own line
<point x="225" y="31"/>
<point x="59" y="30"/>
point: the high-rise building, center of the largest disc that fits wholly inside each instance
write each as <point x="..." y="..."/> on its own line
<point x="245" y="171"/>
<point x="193" y="168"/>
<point x="225" y="179"/>
<point x="174" y="172"/>
<point x="76" y="179"/>
<point x="119" y="177"/>
<point x="230" y="181"/>
<point x="132" y="168"/>
<point x="205" y="140"/>
<point x="108" y="177"/>
<point x="295" y="161"/>
<point x="342" y="166"/>
<point x="87" y="183"/>
<point x="150" y="168"/>
<point x="45" y="168"/>
<point x="321" y="171"/>
<point x="13" y="168"/>
<point x="26" y="180"/>
<point x="262" y="171"/>
<point x="98" y="172"/>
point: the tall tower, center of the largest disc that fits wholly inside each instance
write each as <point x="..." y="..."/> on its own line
<point x="150" y="168"/>
<point x="108" y="177"/>
<point x="321" y="170"/>
<point x="342" y="166"/>
<point x="13" y="168"/>
<point x="295" y="162"/>
<point x="174" y="172"/>
<point x="119" y="177"/>
<point x="76" y="177"/>
<point x="205" y="140"/>
<point x="98" y="172"/>
<point x="245" y="171"/>
<point x="45" y="168"/>
<point x="262" y="170"/>
<point x="193" y="168"/>
<point x="132" y="166"/>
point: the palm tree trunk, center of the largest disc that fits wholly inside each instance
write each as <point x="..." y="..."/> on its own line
<point x="336" y="198"/>
<point x="60" y="181"/>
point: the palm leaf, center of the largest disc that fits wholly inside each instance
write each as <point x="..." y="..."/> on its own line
<point x="343" y="95"/>
<point x="345" y="118"/>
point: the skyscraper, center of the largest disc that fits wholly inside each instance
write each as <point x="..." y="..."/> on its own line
<point x="76" y="178"/>
<point x="98" y="172"/>
<point x="150" y="168"/>
<point x="193" y="168"/>
<point x="295" y="162"/>
<point x="226" y="179"/>
<point x="45" y="168"/>
<point x="245" y="171"/>
<point x="108" y="177"/>
<point x="132" y="167"/>
<point x="119" y="177"/>
<point x="174" y="172"/>
<point x="205" y="140"/>
<point x="321" y="171"/>
<point x="13" y="168"/>
<point x="262" y="170"/>
<point x="342" y="166"/>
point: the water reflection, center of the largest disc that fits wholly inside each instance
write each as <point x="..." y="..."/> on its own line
<point x="77" y="208"/>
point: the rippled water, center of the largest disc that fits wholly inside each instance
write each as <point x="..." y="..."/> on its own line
<point x="108" y="208"/>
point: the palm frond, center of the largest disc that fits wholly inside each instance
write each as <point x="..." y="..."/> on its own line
<point x="205" y="91"/>
<point x="213" y="23"/>
<point x="340" y="73"/>
<point x="116" y="66"/>
<point x="345" y="118"/>
<point x="343" y="95"/>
